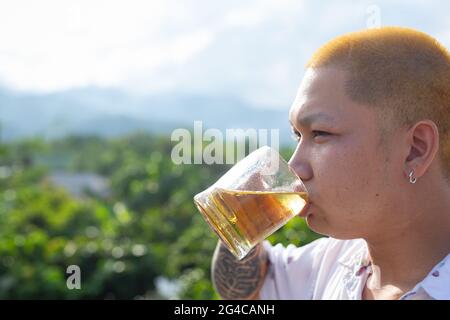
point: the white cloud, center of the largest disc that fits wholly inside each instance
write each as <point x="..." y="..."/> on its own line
<point x="254" y="49"/>
<point x="254" y="13"/>
<point x="53" y="45"/>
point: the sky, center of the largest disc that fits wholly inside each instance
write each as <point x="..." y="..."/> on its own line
<point x="254" y="50"/>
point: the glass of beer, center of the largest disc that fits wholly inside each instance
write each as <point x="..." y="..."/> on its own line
<point x="252" y="200"/>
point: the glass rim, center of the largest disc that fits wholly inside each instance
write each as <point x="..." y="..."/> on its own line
<point x="283" y="161"/>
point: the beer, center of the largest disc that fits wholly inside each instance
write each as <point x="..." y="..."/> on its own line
<point x="244" y="218"/>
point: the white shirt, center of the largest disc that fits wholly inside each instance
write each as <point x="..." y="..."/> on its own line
<point x="331" y="269"/>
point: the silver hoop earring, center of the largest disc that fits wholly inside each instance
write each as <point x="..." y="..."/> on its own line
<point x="412" y="179"/>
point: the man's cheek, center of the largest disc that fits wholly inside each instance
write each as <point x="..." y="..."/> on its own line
<point x="346" y="184"/>
<point x="334" y="189"/>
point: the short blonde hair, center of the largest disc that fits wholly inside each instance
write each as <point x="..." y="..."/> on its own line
<point x="400" y="71"/>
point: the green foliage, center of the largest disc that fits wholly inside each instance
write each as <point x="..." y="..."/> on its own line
<point x="148" y="226"/>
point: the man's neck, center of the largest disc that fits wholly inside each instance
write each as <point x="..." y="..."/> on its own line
<point x="405" y="257"/>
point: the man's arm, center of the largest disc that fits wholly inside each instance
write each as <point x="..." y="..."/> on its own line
<point x="239" y="279"/>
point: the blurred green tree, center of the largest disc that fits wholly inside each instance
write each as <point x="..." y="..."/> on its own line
<point x="147" y="228"/>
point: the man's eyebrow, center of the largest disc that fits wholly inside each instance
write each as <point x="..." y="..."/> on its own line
<point x="306" y="121"/>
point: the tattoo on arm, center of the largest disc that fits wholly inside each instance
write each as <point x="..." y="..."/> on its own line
<point x="238" y="279"/>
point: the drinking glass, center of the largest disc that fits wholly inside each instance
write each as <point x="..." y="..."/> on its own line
<point x="252" y="200"/>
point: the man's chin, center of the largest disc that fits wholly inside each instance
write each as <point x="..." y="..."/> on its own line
<point x="321" y="227"/>
<point x="315" y="224"/>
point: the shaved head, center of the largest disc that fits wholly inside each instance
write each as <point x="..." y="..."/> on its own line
<point x="401" y="72"/>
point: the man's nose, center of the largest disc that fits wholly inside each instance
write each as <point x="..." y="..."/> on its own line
<point x="300" y="164"/>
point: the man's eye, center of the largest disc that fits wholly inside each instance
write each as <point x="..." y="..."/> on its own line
<point x="316" y="133"/>
<point x="296" y="135"/>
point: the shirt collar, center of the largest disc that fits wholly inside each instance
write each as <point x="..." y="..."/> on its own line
<point x="437" y="282"/>
<point x="357" y="258"/>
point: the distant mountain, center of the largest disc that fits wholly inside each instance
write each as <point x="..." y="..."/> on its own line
<point x="107" y="112"/>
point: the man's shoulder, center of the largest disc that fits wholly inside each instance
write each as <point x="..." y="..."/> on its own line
<point x="346" y="244"/>
<point x="344" y="250"/>
<point x="325" y="248"/>
<point x="292" y="265"/>
<point x="343" y="246"/>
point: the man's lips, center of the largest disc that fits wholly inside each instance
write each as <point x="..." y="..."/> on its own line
<point x="305" y="210"/>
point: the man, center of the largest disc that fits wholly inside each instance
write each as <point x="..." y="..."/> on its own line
<point x="372" y="120"/>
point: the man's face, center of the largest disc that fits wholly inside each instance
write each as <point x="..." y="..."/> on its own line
<point x="349" y="176"/>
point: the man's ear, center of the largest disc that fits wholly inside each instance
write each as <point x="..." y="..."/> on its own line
<point x="423" y="139"/>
